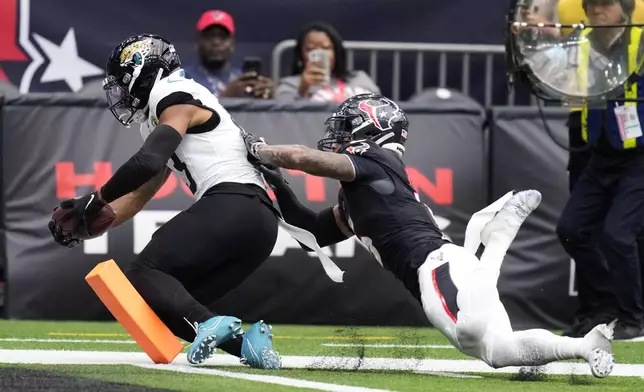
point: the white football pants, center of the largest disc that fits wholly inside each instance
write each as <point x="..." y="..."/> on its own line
<point x="460" y="297"/>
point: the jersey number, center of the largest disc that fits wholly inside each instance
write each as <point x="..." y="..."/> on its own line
<point x="186" y="177"/>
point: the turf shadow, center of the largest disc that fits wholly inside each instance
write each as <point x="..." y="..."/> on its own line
<point x="26" y="380"/>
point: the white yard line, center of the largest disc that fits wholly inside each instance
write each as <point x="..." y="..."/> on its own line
<point x="441" y="346"/>
<point x="67" y="340"/>
<point x="291" y="382"/>
<point x="302" y="362"/>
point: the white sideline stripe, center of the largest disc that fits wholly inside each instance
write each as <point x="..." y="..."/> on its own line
<point x="445" y="346"/>
<point x="62" y="357"/>
<point x="279" y="380"/>
<point x="67" y="340"/>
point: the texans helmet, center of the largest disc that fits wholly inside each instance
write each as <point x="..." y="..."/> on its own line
<point x="366" y="117"/>
<point x="132" y="69"/>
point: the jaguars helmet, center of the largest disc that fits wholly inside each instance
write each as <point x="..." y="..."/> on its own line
<point x="367" y="116"/>
<point x="132" y="69"/>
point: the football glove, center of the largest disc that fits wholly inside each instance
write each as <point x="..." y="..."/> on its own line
<point x="252" y="144"/>
<point x="83" y="210"/>
<point x="56" y="231"/>
<point x="273" y="177"/>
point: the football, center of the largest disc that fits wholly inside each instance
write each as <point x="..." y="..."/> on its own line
<point x="97" y="226"/>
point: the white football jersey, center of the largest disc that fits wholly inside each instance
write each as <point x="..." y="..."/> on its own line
<point x="212" y="156"/>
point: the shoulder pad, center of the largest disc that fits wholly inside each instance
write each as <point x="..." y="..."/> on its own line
<point x="359" y="147"/>
<point x="370" y="150"/>
<point x="175" y="83"/>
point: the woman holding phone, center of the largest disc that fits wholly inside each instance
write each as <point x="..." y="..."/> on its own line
<point x="319" y="69"/>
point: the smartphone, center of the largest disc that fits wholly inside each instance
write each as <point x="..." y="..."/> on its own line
<point x="322" y="59"/>
<point x="252" y="65"/>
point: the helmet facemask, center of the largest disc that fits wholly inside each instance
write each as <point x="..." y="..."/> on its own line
<point x="337" y="132"/>
<point x="122" y="103"/>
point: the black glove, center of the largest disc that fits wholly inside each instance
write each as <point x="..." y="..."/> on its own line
<point x="273" y="177"/>
<point x="63" y="239"/>
<point x="252" y="144"/>
<point x="84" y="209"/>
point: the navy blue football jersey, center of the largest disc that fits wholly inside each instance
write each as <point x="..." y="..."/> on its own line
<point x="383" y="210"/>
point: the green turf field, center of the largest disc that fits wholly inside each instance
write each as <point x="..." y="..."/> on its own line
<point x="315" y="358"/>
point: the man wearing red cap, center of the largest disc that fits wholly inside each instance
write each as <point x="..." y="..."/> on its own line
<point x="216" y="45"/>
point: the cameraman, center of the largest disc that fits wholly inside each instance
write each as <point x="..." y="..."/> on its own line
<point x="605" y="212"/>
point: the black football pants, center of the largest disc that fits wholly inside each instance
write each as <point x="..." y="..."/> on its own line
<point x="604" y="217"/>
<point x="202" y="254"/>
<point x="589" y="299"/>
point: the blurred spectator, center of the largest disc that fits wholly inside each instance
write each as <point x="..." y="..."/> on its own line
<point x="539" y="11"/>
<point x="216" y="45"/>
<point x="571" y="11"/>
<point x="320" y="70"/>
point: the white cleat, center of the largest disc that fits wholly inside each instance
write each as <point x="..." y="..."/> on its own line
<point x="601" y="359"/>
<point x="601" y="363"/>
<point x="512" y="215"/>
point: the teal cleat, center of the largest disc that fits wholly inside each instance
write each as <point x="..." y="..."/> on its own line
<point x="210" y="334"/>
<point x="257" y="348"/>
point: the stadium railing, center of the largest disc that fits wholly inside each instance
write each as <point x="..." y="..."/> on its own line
<point x="421" y="49"/>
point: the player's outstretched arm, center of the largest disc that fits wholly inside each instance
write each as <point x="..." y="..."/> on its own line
<point x="327" y="226"/>
<point x="128" y="206"/>
<point x="147" y="163"/>
<point x="308" y="160"/>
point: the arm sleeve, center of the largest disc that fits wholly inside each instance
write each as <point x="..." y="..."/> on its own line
<point x="322" y="225"/>
<point x="143" y="165"/>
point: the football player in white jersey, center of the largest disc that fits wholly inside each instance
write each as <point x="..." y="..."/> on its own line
<point x="202" y="253"/>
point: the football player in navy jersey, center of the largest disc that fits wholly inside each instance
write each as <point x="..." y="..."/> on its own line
<point x="363" y="147"/>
